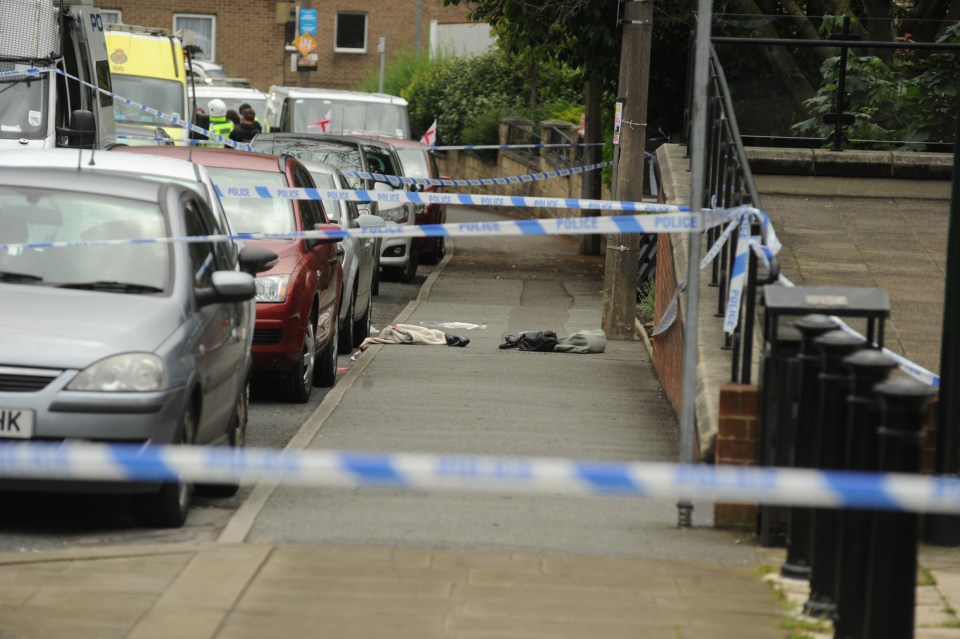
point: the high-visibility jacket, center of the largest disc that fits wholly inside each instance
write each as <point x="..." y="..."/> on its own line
<point x="221" y="126"/>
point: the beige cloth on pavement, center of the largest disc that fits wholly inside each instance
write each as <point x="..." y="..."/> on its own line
<point x="406" y="334"/>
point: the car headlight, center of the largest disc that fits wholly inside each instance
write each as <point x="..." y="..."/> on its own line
<point x="398" y="214"/>
<point x="419" y="208"/>
<point x="130" y="372"/>
<point x="272" y="288"/>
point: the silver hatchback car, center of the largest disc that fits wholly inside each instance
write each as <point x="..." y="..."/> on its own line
<point x="128" y="343"/>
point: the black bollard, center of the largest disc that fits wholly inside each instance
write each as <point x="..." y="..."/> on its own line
<point x="868" y="367"/>
<point x="810" y="360"/>
<point x="834" y="385"/>
<point x="892" y="571"/>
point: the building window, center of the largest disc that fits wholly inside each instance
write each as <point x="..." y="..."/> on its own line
<point x="111" y="16"/>
<point x="198" y="32"/>
<point x="351" y="33"/>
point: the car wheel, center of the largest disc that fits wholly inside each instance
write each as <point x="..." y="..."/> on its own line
<point x="361" y="330"/>
<point x="325" y="373"/>
<point x="409" y="271"/>
<point x="436" y="253"/>
<point x="169" y="506"/>
<point x="237" y="439"/>
<point x="345" y="343"/>
<point x="441" y="249"/>
<point x="298" y="384"/>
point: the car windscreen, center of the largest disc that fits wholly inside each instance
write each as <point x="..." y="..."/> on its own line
<point x="29" y="215"/>
<point x="22" y="100"/>
<point x="349" y="115"/>
<point x="414" y="163"/>
<point x="163" y="95"/>
<point x="254" y="215"/>
<point x="345" y="158"/>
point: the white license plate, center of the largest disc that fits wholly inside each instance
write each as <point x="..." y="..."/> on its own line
<point x="16" y="423"/>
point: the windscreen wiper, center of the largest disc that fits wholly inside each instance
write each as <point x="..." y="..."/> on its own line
<point x="11" y="276"/>
<point x="113" y="287"/>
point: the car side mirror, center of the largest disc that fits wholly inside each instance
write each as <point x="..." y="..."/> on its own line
<point x="82" y="132"/>
<point x="228" y="287"/>
<point x="255" y="259"/>
<point x="366" y="220"/>
<point x="313" y="242"/>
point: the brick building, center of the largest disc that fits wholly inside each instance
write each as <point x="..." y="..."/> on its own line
<point x="247" y="37"/>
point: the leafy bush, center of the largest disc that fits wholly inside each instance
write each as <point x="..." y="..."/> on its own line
<point x="912" y="101"/>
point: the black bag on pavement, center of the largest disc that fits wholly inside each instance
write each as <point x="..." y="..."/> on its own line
<point x="538" y="341"/>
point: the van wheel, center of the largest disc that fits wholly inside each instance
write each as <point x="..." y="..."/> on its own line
<point x="169" y="506"/>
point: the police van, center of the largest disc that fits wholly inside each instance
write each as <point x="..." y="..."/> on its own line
<point x="311" y="110"/>
<point x="47" y="109"/>
<point x="148" y="67"/>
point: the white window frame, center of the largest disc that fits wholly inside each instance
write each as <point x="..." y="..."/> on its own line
<point x="117" y="13"/>
<point x="366" y="30"/>
<point x="213" y="30"/>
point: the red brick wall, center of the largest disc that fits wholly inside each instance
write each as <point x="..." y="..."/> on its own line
<point x="668" y="346"/>
<point x="737" y="434"/>
<point x="249" y="42"/>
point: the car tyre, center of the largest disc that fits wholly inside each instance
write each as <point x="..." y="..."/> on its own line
<point x="298" y="383"/>
<point x="409" y="270"/>
<point x="236" y="439"/>
<point x="437" y="252"/>
<point x="375" y="285"/>
<point x="169" y="506"/>
<point x="361" y="329"/>
<point x="325" y="371"/>
<point x="345" y="342"/>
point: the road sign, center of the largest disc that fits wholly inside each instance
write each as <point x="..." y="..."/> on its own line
<point x="305" y="43"/>
<point x="308" y="21"/>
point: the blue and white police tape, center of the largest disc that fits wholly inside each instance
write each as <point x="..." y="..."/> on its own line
<point x="27" y="71"/>
<point x="912" y="369"/>
<point x="219" y="465"/>
<point x="514" y="179"/>
<point x="173" y="119"/>
<point x="464" y="199"/>
<point x="481" y="147"/>
<point x="662" y="223"/>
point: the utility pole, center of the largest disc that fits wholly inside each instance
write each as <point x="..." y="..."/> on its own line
<point x="620" y="274"/>
<point x="303" y="77"/>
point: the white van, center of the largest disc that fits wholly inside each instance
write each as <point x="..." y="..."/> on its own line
<point x="45" y="111"/>
<point x="304" y="110"/>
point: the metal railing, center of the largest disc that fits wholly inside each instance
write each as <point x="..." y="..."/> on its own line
<point x="728" y="183"/>
<point x="519" y="135"/>
<point x="562" y="156"/>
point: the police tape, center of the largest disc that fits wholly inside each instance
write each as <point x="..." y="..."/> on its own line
<point x="223" y="465"/>
<point x="490" y="147"/>
<point x="662" y="223"/>
<point x="464" y="199"/>
<point x="514" y="179"/>
<point x="173" y="119"/>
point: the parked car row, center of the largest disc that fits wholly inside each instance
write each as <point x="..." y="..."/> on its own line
<point x="158" y="343"/>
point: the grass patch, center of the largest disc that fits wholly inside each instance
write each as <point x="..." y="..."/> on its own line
<point x="801" y="627"/>
<point x="925" y="577"/>
<point x="645" y="307"/>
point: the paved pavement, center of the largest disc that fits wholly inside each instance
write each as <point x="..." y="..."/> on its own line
<point x="370" y="563"/>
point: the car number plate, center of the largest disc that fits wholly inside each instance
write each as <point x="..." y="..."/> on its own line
<point x="16" y="423"/>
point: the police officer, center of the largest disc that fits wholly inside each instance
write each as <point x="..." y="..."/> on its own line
<point x="219" y="123"/>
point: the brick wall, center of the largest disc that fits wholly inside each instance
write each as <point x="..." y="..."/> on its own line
<point x="668" y="346"/>
<point x="736" y="441"/>
<point x="249" y="42"/>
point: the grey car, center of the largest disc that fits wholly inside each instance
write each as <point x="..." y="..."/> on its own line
<point x="360" y="257"/>
<point x="126" y="343"/>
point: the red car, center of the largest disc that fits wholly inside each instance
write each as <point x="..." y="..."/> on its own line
<point x="298" y="300"/>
